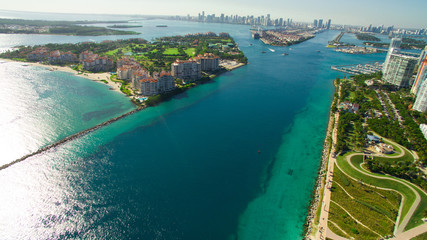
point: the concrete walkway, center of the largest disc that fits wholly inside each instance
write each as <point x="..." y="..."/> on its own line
<point x="412" y="233"/>
<point x="414" y="206"/>
<point x="324" y="213"/>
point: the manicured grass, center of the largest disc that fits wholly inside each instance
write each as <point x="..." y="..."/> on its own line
<point x="416" y="219"/>
<point x="171" y="51"/>
<point x="190" y="51"/>
<point x="419" y="212"/>
<point x="383" y="183"/>
<point x="346" y="223"/>
<point x="337" y="231"/>
<point x="420" y="237"/>
<point x="375" y="208"/>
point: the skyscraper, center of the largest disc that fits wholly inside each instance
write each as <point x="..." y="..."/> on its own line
<point x="394" y="47"/>
<point x="421" y="76"/>
<point x="328" y="24"/>
<point x="320" y="25"/>
<point x="315" y="23"/>
<point x="400" y="69"/>
<point x="421" y="100"/>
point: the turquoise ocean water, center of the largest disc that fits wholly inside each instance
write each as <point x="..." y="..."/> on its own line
<point x="186" y="169"/>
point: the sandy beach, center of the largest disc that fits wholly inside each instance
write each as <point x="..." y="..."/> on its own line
<point x="97" y="77"/>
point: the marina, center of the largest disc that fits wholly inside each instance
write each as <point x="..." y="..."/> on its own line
<point x="353" y="69"/>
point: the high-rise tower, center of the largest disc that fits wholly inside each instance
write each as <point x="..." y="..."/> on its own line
<point x="421" y="76"/>
<point x="421" y="100"/>
<point x="394" y="47"/>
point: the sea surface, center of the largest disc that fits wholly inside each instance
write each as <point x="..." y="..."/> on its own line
<point x="235" y="158"/>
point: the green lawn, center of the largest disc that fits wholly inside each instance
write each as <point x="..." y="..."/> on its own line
<point x="375" y="208"/>
<point x="419" y="212"/>
<point x="171" y="51"/>
<point x="420" y="237"/>
<point x="337" y="215"/>
<point x="190" y="51"/>
<point x="383" y="183"/>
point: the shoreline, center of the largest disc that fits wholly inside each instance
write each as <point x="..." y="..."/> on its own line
<point x="96" y="77"/>
<point x="310" y="226"/>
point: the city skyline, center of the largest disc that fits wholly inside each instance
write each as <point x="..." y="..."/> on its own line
<point x="363" y="12"/>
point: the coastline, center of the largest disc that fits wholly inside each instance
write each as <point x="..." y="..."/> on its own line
<point x="312" y="221"/>
<point x="96" y="77"/>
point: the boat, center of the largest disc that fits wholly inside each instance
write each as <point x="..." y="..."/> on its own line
<point x="162" y="26"/>
<point x="250" y="44"/>
<point x="259" y="151"/>
<point x="272" y="50"/>
<point x="285" y="54"/>
<point x="263" y="52"/>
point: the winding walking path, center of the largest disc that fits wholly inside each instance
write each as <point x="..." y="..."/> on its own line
<point x="414" y="206"/>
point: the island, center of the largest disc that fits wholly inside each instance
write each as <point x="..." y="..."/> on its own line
<point x="358" y="50"/>
<point x="283" y="37"/>
<point x="367" y="37"/>
<point x="72" y="28"/>
<point x="147" y="72"/>
<point x="124" y="26"/>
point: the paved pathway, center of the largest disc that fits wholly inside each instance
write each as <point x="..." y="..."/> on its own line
<point x="412" y="233"/>
<point x="414" y="206"/>
<point x="324" y="213"/>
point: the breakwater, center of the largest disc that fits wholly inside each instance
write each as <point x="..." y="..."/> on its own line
<point x="71" y="137"/>
<point x="313" y="214"/>
<point x="337" y="39"/>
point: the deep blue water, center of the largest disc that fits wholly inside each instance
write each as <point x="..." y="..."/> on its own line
<point x="186" y="169"/>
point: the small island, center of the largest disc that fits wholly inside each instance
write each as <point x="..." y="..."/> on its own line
<point x="283" y="37"/>
<point x="71" y="28"/>
<point x="407" y="43"/>
<point x="147" y="72"/>
<point x="124" y="26"/>
<point x="367" y="37"/>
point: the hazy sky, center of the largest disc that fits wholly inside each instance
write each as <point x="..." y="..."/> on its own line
<point x="400" y="13"/>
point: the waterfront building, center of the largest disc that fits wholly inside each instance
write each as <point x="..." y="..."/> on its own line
<point x="95" y="63"/>
<point x="421" y="76"/>
<point x="166" y="81"/>
<point x="39" y="54"/>
<point x="400" y="69"/>
<point x="423" y="55"/>
<point x="394" y="47"/>
<point x="126" y="67"/>
<point x="152" y="84"/>
<point x="208" y="62"/>
<point x="423" y="128"/>
<point x="148" y="86"/>
<point x="138" y="75"/>
<point x="187" y="70"/>
<point x="58" y="57"/>
<point x="320" y="24"/>
<point x="421" y="100"/>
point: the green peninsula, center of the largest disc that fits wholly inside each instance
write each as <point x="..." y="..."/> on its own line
<point x="147" y="72"/>
<point x="72" y="28"/>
